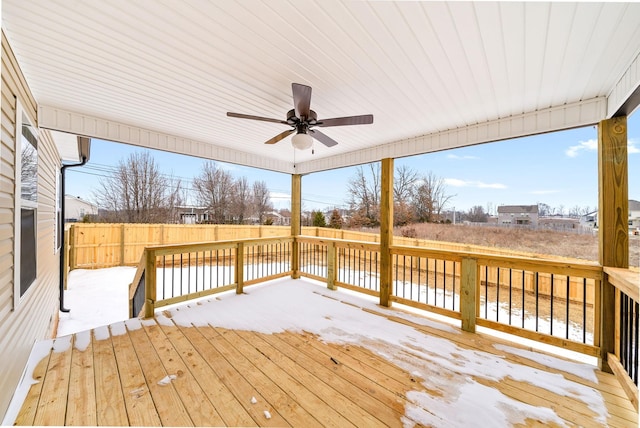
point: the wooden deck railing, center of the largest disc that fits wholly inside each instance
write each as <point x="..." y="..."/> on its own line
<point x="545" y="300"/>
<point x="624" y="361"/>
<point x="170" y="274"/>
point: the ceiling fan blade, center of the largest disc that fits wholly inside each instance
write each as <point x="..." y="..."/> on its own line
<point x="323" y="138"/>
<point x="280" y="136"/>
<point x="301" y="99"/>
<point x="248" y="116"/>
<point x="365" y="119"/>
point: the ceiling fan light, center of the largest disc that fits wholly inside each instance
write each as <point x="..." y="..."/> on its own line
<point x="302" y="141"/>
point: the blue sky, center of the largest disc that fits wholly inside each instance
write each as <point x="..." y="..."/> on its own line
<point x="559" y="169"/>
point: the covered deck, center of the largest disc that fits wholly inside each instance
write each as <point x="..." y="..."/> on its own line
<point x="294" y="353"/>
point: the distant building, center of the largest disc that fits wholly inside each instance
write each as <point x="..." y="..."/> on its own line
<point x="559" y="223"/>
<point x="76" y="208"/>
<point x="518" y="215"/>
<point x="192" y="215"/>
<point x="634" y="214"/>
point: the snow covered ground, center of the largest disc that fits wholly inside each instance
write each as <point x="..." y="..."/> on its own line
<point x="99" y="297"/>
<point x="95" y="297"/>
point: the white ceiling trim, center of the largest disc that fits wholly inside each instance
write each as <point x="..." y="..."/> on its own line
<point x="624" y="89"/>
<point x="56" y="119"/>
<point x="573" y="115"/>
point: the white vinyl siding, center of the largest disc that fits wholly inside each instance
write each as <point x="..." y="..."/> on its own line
<point x="32" y="319"/>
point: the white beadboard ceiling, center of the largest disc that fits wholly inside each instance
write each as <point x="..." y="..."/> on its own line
<point x="435" y="75"/>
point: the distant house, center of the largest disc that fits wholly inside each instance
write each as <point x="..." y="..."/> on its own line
<point x="278" y="219"/>
<point x="559" y="223"/>
<point x="634" y="214"/>
<point x="518" y="215"/>
<point x="192" y="215"/>
<point x="76" y="208"/>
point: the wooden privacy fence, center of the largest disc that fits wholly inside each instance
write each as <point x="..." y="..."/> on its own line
<point x="102" y="245"/>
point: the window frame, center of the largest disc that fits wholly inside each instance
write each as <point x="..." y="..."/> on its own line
<point x="19" y="203"/>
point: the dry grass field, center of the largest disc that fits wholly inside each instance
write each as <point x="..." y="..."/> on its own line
<point x="549" y="242"/>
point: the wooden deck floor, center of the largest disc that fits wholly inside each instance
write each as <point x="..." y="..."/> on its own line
<point x="114" y="376"/>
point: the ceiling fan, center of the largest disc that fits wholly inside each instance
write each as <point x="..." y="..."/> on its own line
<point x="302" y="119"/>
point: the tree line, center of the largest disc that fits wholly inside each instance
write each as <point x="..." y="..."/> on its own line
<point x="417" y="197"/>
<point x="137" y="192"/>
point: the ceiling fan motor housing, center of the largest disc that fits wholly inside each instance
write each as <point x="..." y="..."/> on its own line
<point x="293" y="120"/>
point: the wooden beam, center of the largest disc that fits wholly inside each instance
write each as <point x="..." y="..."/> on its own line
<point x="150" y="284"/>
<point x="296" y="211"/>
<point x="239" y="267"/>
<point x="386" y="232"/>
<point x="468" y="293"/>
<point x="613" y="214"/>
<point x="332" y="264"/>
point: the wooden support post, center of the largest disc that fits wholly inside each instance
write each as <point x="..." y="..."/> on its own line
<point x="386" y="232"/>
<point x="469" y="285"/>
<point x="149" y="283"/>
<point x="65" y="254"/>
<point x="73" y="250"/>
<point x="122" y="245"/>
<point x="296" y="211"/>
<point x="613" y="216"/>
<point x="332" y="261"/>
<point x="239" y="266"/>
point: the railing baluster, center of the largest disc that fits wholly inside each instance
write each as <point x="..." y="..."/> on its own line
<point x="551" y="326"/>
<point x="523" y="294"/>
<point x="584" y="310"/>
<point x="537" y="305"/>
<point x="444" y="283"/>
<point x="510" y="293"/>
<point x="497" y="294"/>
<point x="567" y="319"/>
<point x="634" y="362"/>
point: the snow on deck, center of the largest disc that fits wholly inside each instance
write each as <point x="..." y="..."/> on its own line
<point x="456" y="378"/>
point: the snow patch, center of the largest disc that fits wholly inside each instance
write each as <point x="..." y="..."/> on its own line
<point x="39" y="352"/>
<point x="118" y="329"/>
<point x="583" y="371"/>
<point x="83" y="339"/>
<point x="101" y="333"/>
<point x="95" y="297"/>
<point x="167" y="380"/>
<point x="62" y="344"/>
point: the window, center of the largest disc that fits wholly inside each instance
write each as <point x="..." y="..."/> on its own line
<point x="26" y="205"/>
<point x="58" y="231"/>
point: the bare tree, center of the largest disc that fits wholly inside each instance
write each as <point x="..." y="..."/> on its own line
<point x="241" y="200"/>
<point x="404" y="183"/>
<point x="476" y="214"/>
<point x="214" y="189"/>
<point x="261" y="200"/>
<point x="136" y="192"/>
<point x="364" y="193"/>
<point x="430" y="198"/>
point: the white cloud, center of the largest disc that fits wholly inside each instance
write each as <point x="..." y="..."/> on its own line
<point x="450" y="156"/>
<point x="479" y="184"/>
<point x="589" y="145"/>
<point x="633" y="146"/>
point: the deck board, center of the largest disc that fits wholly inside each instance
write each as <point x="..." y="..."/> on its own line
<point x="111" y="409"/>
<point x="170" y="408"/>
<point x="81" y="404"/>
<point x="139" y="405"/>
<point x="301" y="380"/>
<point x="53" y="399"/>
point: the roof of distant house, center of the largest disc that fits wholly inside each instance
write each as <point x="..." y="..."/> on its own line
<point x="531" y="209"/>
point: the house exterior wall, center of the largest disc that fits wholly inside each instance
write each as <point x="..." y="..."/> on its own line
<point x="518" y="215"/>
<point x="33" y="317"/>
<point x="75" y="208"/>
